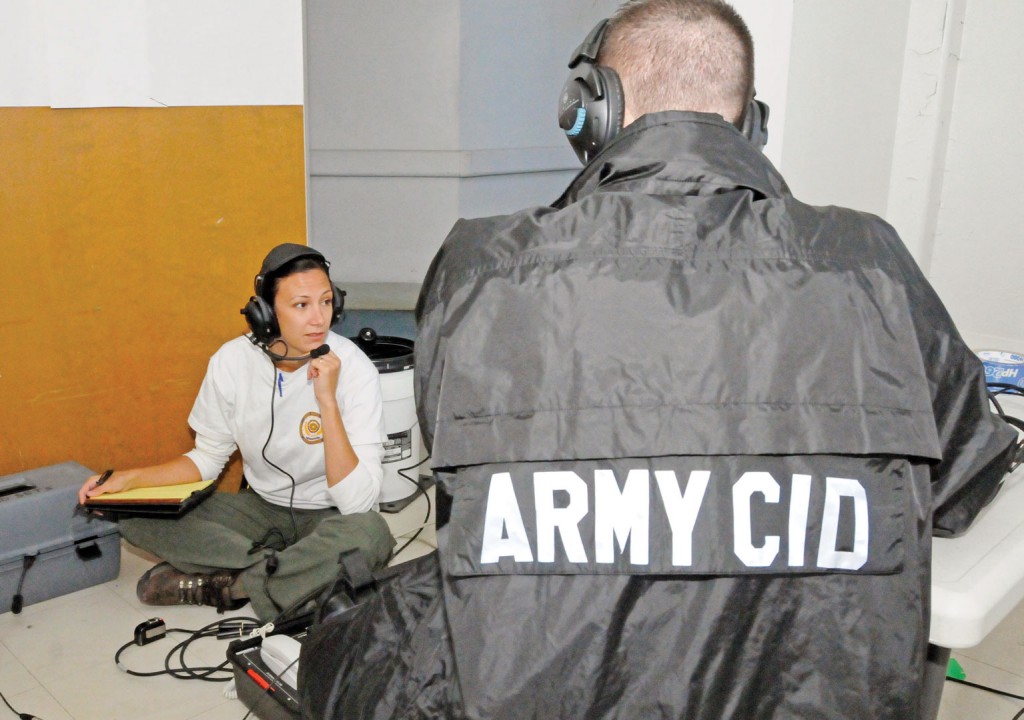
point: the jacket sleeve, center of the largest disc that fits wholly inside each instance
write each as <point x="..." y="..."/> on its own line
<point x="977" y="445"/>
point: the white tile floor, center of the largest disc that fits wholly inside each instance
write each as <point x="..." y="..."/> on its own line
<point x="56" y="657"/>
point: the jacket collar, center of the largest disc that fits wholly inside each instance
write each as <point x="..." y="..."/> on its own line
<point x="677" y="153"/>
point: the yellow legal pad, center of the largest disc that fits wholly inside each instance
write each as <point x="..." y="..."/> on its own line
<point x="160" y="500"/>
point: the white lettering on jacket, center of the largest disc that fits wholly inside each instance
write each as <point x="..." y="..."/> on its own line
<point x="621" y="518"/>
<point x="503" y="514"/>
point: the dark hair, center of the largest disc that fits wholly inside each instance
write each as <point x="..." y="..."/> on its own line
<point x="681" y="55"/>
<point x="301" y="264"/>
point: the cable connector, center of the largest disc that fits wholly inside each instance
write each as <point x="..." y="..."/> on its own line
<point x="262" y="632"/>
<point x="235" y="628"/>
<point x="150" y="631"/>
<point x="271" y="563"/>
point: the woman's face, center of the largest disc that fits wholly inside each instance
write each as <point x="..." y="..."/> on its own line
<point x="303" y="304"/>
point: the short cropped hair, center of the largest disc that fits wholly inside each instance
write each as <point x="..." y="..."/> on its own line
<point x="681" y="55"/>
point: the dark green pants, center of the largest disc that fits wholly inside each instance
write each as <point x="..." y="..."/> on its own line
<point x="229" y="531"/>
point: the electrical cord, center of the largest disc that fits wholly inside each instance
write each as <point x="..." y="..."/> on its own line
<point x="22" y="715"/>
<point x="1004" y="389"/>
<point x="271" y="561"/>
<point x="421" y="489"/>
<point x="228" y="628"/>
<point x="276" y="385"/>
<point x="968" y="683"/>
<point x="1004" y="693"/>
<point x="1016" y="423"/>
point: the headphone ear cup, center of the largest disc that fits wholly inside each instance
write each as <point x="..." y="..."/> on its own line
<point x="591" y="106"/>
<point x="592" y="109"/>
<point x="261" y="319"/>
<point x="616" y="101"/>
<point x="337" y="304"/>
<point x="755" y="124"/>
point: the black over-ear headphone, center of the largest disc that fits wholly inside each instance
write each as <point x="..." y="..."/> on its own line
<point x="259" y="311"/>
<point x="755" y="123"/>
<point x="591" y="106"/>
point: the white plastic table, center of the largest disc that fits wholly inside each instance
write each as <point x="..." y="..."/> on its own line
<point x="977" y="578"/>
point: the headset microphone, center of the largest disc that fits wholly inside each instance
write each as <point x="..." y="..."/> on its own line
<point x="314" y="353"/>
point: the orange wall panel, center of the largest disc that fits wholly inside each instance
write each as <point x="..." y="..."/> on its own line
<point x="129" y="238"/>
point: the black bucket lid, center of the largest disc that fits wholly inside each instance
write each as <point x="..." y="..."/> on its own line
<point x="388" y="353"/>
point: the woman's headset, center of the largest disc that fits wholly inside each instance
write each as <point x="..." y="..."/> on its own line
<point x="591" y="106"/>
<point x="259" y="311"/>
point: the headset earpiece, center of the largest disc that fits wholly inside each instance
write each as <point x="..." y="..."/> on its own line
<point x="755" y="123"/>
<point x="591" y="105"/>
<point x="262" y="319"/>
<point x="337" y="304"/>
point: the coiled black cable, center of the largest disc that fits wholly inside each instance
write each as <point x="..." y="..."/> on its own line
<point x="228" y="628"/>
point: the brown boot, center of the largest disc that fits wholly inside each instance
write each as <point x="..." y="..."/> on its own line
<point x="163" y="585"/>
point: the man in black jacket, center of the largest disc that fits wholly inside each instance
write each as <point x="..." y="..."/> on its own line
<point x="697" y="434"/>
<point x="700" y="432"/>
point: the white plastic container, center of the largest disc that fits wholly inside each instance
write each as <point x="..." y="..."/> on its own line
<point x="403" y="451"/>
<point x="404" y="447"/>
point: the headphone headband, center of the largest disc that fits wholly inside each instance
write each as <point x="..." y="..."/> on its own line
<point x="591" y="46"/>
<point x="280" y="256"/>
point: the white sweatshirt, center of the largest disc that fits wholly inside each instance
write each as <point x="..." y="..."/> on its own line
<point x="244" y="399"/>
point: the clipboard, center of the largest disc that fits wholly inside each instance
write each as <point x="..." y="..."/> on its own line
<point x="162" y="501"/>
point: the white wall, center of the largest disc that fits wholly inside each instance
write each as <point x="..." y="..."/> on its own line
<point x="453" y="100"/>
<point x="150" y="53"/>
<point x="419" y="112"/>
<point x="904" y="108"/>
<point x="907" y="109"/>
<point x="978" y="262"/>
<point x="844" y="85"/>
<point x="771" y="25"/>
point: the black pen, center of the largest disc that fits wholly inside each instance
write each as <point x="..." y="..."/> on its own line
<point x="103" y="478"/>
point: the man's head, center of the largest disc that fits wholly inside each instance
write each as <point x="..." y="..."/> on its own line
<point x="681" y="55"/>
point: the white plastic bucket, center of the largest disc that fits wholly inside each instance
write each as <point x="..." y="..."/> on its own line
<point x="403" y="450"/>
<point x="404" y="446"/>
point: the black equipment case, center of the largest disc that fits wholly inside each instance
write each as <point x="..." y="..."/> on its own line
<point x="266" y="695"/>
<point x="48" y="546"/>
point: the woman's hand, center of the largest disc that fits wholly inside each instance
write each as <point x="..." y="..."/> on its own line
<point x="173" y="472"/>
<point x="324" y="371"/>
<point x="117" y="482"/>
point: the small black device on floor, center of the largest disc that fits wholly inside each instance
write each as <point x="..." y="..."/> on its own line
<point x="265" y="677"/>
